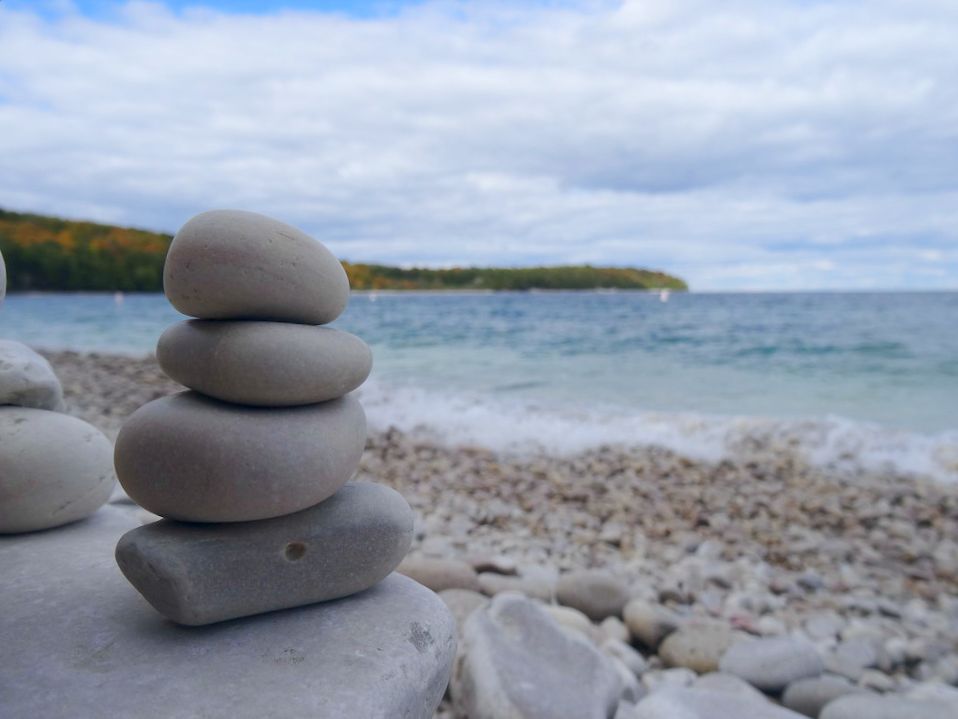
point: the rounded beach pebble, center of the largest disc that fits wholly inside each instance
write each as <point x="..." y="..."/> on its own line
<point x="772" y="663"/>
<point x="595" y="592"/>
<point x="231" y="264"/>
<point x="27" y="379"/>
<point x="270" y="364"/>
<point x="3" y="279"/>
<point x="54" y="469"/>
<point x="205" y="573"/>
<point x="192" y="458"/>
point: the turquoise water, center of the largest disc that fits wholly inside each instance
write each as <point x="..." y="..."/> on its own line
<point x="695" y="371"/>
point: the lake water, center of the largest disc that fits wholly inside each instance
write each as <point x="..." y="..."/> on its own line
<point x="851" y="379"/>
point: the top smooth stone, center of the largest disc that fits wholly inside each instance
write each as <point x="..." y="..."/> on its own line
<point x="231" y="264"/>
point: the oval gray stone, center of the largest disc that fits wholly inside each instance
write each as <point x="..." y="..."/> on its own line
<point x="79" y="642"/>
<point x="439" y="574"/>
<point x="189" y="572"/>
<point x="877" y="706"/>
<point x="236" y="265"/>
<point x="192" y="458"/>
<point x="3" y="279"/>
<point x="54" y="469"/>
<point x="772" y="663"/>
<point x="27" y="379"/>
<point x="809" y="696"/>
<point x="684" y="703"/>
<point x="648" y="622"/>
<point x="595" y="592"/>
<point x="698" y="645"/>
<point x="269" y="364"/>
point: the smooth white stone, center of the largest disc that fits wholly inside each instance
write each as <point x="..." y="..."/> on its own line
<point x="54" y="469"/>
<point x="27" y="379"/>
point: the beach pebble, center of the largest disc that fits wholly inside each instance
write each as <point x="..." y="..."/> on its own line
<point x="27" y="379"/>
<point x="658" y="679"/>
<point x="54" y="469"/>
<point x="938" y="691"/>
<point x="462" y="603"/>
<point x="649" y="623"/>
<point x="686" y="703"/>
<point x="495" y="563"/>
<point x="572" y="619"/>
<point x="79" y="642"/>
<point x="626" y="654"/>
<point x="698" y="645"/>
<point x="614" y="628"/>
<point x="632" y="689"/>
<point x="440" y="574"/>
<point x="191" y="458"/>
<point x="877" y="680"/>
<point x="189" y="572"/>
<point x="595" y="592"/>
<point x="772" y="663"/>
<point x="722" y="682"/>
<point x="231" y="264"/>
<point x="517" y="663"/>
<point x="853" y="656"/>
<point x="269" y="364"/>
<point x="888" y="706"/>
<point x="3" y="279"/>
<point x="808" y="696"/>
<point x="824" y="625"/>
<point x="491" y="583"/>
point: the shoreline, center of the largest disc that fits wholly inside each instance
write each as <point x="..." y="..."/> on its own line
<point x="766" y="544"/>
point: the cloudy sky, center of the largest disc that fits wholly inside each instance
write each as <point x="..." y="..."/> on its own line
<point x="743" y="144"/>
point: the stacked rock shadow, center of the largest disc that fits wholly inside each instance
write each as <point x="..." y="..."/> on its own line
<point x="250" y="466"/>
<point x="54" y="468"/>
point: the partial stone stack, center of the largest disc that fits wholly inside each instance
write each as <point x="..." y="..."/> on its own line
<point x="249" y="466"/>
<point x="54" y="469"/>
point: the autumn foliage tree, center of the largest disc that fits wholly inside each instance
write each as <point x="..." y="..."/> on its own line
<point x="47" y="253"/>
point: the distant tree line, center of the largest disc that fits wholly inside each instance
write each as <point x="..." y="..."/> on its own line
<point x="572" y="277"/>
<point x="48" y="253"/>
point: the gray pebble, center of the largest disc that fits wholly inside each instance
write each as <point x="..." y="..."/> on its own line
<point x="191" y="458"/>
<point x="231" y="264"/>
<point x="440" y="574"/>
<point x="595" y="592"/>
<point x="27" y="379"/>
<point x="808" y="696"/>
<point x="268" y="364"/>
<point x="772" y="663"/>
<point x="190" y="572"/>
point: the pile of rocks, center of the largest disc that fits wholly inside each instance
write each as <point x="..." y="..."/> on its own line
<point x="587" y="644"/>
<point x="54" y="468"/>
<point x="250" y="467"/>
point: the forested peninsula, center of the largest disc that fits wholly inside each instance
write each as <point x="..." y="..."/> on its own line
<point x="52" y="254"/>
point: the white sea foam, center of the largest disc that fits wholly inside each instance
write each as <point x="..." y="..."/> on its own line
<point x="839" y="444"/>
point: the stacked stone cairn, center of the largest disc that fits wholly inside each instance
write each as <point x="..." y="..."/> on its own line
<point x="250" y="467"/>
<point x="54" y="469"/>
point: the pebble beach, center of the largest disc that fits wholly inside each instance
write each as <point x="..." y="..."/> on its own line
<point x="864" y="567"/>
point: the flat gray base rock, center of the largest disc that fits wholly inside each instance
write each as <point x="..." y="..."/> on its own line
<point x="77" y="641"/>
<point x="206" y="573"/>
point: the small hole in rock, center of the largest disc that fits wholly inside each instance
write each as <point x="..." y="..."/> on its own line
<point x="295" y="550"/>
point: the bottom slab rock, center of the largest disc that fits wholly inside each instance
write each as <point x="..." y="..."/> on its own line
<point x="77" y="641"/>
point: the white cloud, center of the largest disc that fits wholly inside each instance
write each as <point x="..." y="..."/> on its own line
<point x="751" y="143"/>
